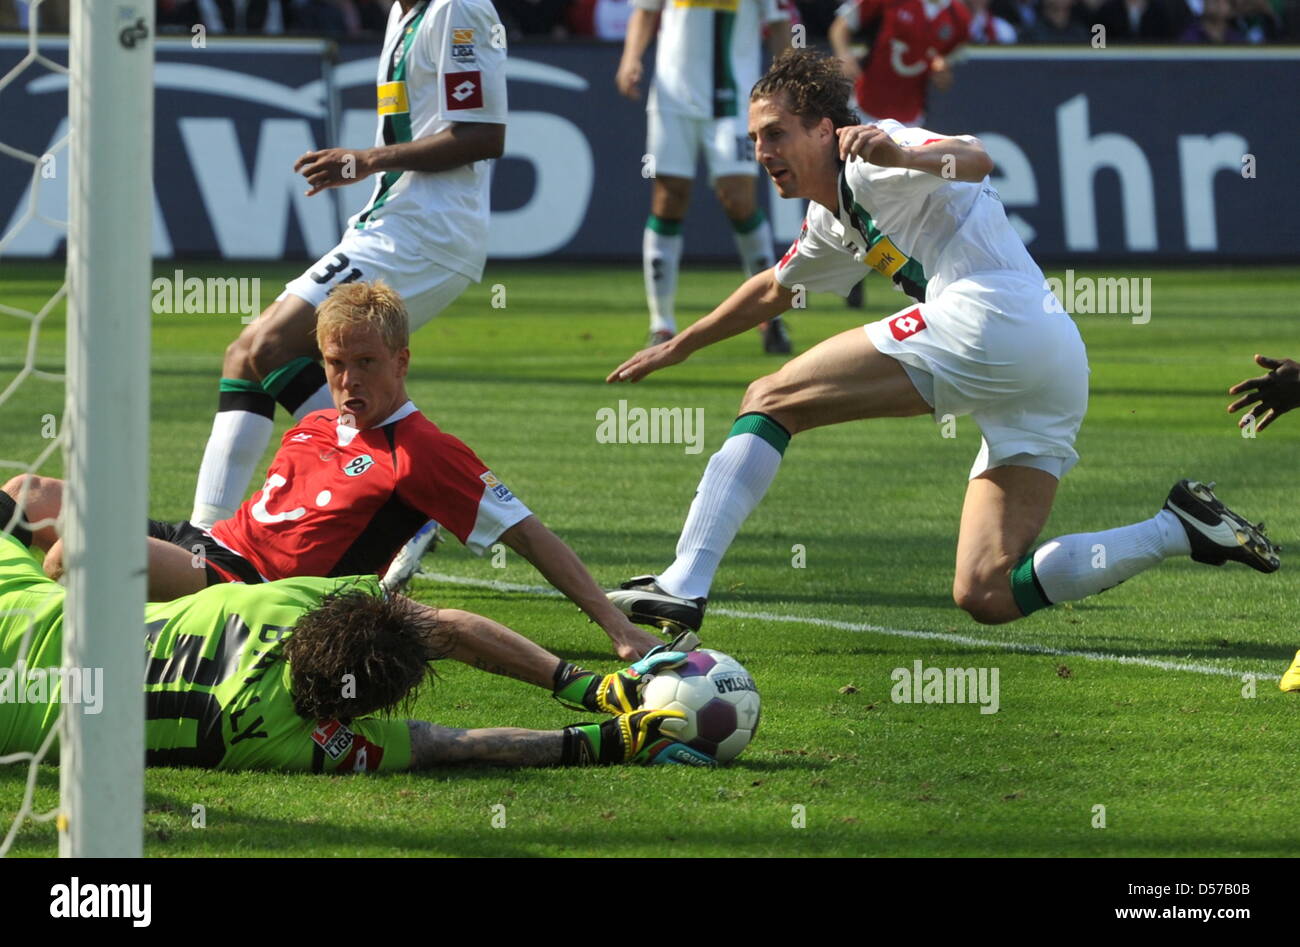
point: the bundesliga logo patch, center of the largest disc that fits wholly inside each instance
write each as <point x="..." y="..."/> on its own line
<point x="462" y="46"/>
<point x="498" y="488"/>
<point x="334" y="738"/>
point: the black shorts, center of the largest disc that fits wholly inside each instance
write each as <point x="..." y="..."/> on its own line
<point x="219" y="563"/>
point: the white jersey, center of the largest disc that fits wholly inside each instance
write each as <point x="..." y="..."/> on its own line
<point x="708" y="55"/>
<point x="443" y="62"/>
<point x="918" y="229"/>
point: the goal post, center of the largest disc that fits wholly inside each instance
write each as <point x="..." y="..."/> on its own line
<point x="106" y="420"/>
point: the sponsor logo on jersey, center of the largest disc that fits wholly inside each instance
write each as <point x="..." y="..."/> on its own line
<point x="907" y="324"/>
<point x="334" y="738"/>
<point x="392" y="99"/>
<point x="462" y="46"/>
<point x="301" y="437"/>
<point x="358" y="465"/>
<point x="885" y="258"/>
<point x="364" y="758"/>
<point x="498" y="488"/>
<point x="464" y="89"/>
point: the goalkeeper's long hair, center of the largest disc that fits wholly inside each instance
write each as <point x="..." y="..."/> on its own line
<point x="813" y="85"/>
<point x="385" y="645"/>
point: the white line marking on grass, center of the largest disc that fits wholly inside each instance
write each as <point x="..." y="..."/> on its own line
<point x="1024" y="647"/>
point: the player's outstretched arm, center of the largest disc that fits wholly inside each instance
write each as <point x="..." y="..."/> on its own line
<point x="1268" y="396"/>
<point x="560" y="565"/>
<point x="954" y="159"/>
<point x="432" y="745"/>
<point x="459" y="144"/>
<point x="490" y="646"/>
<point x="759" y="298"/>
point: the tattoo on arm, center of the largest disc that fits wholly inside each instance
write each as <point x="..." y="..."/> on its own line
<point x="432" y="745"/>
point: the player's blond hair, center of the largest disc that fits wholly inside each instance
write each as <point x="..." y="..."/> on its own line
<point x="364" y="305"/>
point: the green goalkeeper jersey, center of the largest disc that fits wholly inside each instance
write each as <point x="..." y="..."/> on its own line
<point x="217" y="685"/>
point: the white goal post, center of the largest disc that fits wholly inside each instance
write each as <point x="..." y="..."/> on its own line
<point x="110" y="102"/>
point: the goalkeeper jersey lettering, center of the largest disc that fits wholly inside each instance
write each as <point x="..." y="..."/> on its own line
<point x="338" y="501"/>
<point x="444" y="62"/>
<point x="217" y="686"/>
<point x="709" y="54"/>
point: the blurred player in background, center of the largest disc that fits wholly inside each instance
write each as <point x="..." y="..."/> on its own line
<point x="442" y="114"/>
<point x="708" y="58"/>
<point x="1266" y="398"/>
<point x="303" y="674"/>
<point x="894" y="51"/>
<point x="989" y="341"/>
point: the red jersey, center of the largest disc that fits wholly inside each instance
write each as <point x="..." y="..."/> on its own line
<point x="907" y="35"/>
<point x="338" y="501"/>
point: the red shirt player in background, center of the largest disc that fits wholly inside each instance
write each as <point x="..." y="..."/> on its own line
<point x="908" y="43"/>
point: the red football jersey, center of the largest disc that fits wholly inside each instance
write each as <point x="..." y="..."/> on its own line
<point x="908" y="34"/>
<point x="338" y="501"/>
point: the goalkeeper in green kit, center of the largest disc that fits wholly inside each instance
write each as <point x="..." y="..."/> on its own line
<point x="302" y="674"/>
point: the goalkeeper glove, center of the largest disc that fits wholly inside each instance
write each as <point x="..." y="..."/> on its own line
<point x="617" y="693"/>
<point x="642" y="737"/>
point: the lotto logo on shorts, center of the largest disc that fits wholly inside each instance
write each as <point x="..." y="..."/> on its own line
<point x="464" y="90"/>
<point x="906" y="324"/>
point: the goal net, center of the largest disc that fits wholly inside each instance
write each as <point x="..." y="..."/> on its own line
<point x="74" y="404"/>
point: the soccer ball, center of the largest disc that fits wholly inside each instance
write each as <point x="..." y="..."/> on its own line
<point x="718" y="697"/>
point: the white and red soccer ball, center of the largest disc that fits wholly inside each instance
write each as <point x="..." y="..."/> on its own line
<point x="718" y="697"/>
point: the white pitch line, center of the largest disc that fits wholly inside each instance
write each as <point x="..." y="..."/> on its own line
<point x="1024" y="647"/>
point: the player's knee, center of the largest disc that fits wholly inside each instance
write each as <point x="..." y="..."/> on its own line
<point x="737" y="203"/>
<point x="237" y="362"/>
<point x="671" y="198"/>
<point x="988" y="600"/>
<point x="266" y="349"/>
<point x="771" y="396"/>
<point x="42" y="497"/>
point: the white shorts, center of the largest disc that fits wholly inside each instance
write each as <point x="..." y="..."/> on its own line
<point x="425" y="287"/>
<point x="990" y="347"/>
<point x="676" y="140"/>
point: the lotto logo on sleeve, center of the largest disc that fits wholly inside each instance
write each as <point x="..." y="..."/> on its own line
<point x="464" y="90"/>
<point x="907" y="324"/>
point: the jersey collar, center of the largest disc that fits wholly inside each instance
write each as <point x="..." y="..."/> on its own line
<point x="346" y="432"/>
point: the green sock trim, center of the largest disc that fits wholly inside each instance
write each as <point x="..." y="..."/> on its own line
<point x="275" y="382"/>
<point x="664" y="227"/>
<point x="751" y="223"/>
<point x="764" y="427"/>
<point x="1024" y="586"/>
<point x="239" y="384"/>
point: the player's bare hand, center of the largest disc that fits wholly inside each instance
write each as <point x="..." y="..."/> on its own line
<point x="333" y="167"/>
<point x="871" y="143"/>
<point x="646" y="361"/>
<point x="940" y="74"/>
<point x="628" y="78"/>
<point x="631" y="643"/>
<point x="1268" y="396"/>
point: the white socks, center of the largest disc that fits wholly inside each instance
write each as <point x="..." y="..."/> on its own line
<point x="661" y="257"/>
<point x="1082" y="564"/>
<point x="237" y="442"/>
<point x="737" y="477"/>
<point x="321" y="400"/>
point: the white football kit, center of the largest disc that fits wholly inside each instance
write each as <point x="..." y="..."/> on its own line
<point x="425" y="233"/>
<point x="708" y="57"/>
<point x="988" y="339"/>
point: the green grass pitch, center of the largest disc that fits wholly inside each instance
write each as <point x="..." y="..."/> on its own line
<point x="1133" y="700"/>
